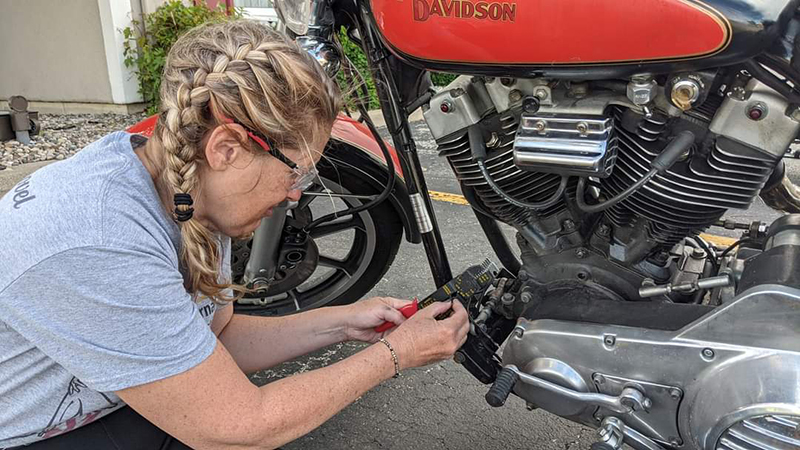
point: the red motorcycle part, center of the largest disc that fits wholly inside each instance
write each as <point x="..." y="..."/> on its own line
<point x="548" y="32"/>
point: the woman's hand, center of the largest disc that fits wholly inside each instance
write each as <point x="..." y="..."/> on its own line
<point x="363" y="317"/>
<point x="423" y="340"/>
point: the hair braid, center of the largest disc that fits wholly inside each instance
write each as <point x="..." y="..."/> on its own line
<point x="247" y="72"/>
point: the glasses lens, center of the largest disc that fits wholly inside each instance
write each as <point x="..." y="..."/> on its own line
<point x="304" y="179"/>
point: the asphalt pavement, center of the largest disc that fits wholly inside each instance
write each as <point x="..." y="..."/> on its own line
<point x="440" y="406"/>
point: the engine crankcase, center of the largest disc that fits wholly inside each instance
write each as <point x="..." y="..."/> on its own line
<point x="709" y="378"/>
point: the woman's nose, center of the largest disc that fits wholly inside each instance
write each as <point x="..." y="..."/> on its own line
<point x="294" y="195"/>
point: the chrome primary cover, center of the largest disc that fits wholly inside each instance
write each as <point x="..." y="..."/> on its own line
<point x="728" y="381"/>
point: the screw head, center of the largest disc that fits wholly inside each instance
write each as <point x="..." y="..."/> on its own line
<point x="604" y="230"/>
<point x="609" y="340"/>
<point x="675" y="393"/>
<point x="530" y="105"/>
<point x="514" y="96"/>
<point x="583" y="128"/>
<point x="569" y="225"/>
<point x="526" y="297"/>
<point x="459" y="358"/>
<point x="708" y="353"/>
<point x="581" y="253"/>
<point x="540" y="93"/>
<point x="540" y="125"/>
<point x="446" y="106"/>
<point x="599" y="379"/>
<point x="522" y="275"/>
<point x="757" y="111"/>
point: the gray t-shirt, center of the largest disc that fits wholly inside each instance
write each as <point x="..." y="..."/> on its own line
<point x="92" y="299"/>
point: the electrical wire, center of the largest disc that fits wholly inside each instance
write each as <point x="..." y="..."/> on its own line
<point x="387" y="190"/>
<point x="550" y="201"/>
<point x="711" y="256"/>
<point x="581" y="192"/>
<point x="734" y="245"/>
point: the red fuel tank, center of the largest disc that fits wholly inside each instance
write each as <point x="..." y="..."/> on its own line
<point x="551" y="32"/>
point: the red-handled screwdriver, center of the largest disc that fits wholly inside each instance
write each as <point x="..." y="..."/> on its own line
<point x="407" y="311"/>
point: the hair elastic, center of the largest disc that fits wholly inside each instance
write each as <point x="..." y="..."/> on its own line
<point x="183" y="200"/>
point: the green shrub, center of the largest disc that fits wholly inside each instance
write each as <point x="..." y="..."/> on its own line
<point x="147" y="51"/>
<point x="356" y="55"/>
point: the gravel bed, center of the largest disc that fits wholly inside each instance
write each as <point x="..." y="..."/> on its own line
<point x="62" y="135"/>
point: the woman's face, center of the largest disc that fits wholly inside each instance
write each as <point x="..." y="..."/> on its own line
<point x="240" y="187"/>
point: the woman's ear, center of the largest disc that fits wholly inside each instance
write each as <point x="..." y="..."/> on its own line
<point x="224" y="148"/>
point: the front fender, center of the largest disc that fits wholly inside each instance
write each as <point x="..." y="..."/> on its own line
<point x="356" y="140"/>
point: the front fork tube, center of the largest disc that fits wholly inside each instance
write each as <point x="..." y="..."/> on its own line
<point x="260" y="270"/>
<point x="397" y="123"/>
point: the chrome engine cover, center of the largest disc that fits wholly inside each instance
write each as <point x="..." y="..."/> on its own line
<point x="725" y="381"/>
<point x="567" y="145"/>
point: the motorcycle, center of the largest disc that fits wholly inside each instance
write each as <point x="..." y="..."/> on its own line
<point x="609" y="135"/>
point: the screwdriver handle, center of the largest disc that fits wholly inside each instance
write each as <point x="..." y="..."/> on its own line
<point x="407" y="311"/>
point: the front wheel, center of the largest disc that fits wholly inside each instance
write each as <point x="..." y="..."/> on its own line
<point x="339" y="261"/>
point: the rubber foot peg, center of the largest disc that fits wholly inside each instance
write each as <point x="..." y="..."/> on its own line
<point x="502" y="387"/>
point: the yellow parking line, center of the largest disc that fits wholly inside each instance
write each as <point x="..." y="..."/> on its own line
<point x="719" y="241"/>
<point x="449" y="198"/>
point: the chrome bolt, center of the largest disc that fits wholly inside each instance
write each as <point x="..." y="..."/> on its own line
<point x="647" y="403"/>
<point x="599" y="379"/>
<point x="540" y="93"/>
<point x="581" y="253"/>
<point x="583" y="128"/>
<point x="708" y="353"/>
<point x="609" y="340"/>
<point x="569" y="225"/>
<point x="517" y="334"/>
<point x="675" y="393"/>
<point x="540" y="126"/>
<point x="526" y="297"/>
<point x="604" y="230"/>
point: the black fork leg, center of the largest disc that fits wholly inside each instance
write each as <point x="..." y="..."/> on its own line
<point x="397" y="123"/>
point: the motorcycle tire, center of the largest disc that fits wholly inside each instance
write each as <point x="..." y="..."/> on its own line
<point x="376" y="240"/>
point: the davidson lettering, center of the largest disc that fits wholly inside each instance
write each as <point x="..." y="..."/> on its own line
<point x="463" y="9"/>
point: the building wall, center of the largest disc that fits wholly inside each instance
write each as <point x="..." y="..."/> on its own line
<point x="54" y="51"/>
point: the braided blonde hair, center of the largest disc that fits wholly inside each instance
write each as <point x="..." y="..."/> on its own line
<point x="243" y="71"/>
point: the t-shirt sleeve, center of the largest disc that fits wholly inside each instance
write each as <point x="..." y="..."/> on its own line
<point x="114" y="318"/>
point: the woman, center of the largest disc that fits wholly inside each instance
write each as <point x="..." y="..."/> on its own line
<point x="115" y="292"/>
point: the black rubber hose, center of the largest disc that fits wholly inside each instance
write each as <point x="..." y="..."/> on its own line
<point x="502" y="387"/>
<point x="765" y="76"/>
<point x="387" y="190"/>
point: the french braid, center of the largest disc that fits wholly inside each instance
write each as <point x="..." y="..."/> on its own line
<point x="243" y="71"/>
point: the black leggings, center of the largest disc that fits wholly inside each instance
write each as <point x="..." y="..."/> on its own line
<point x="121" y="430"/>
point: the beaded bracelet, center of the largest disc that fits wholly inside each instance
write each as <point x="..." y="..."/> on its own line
<point x="394" y="357"/>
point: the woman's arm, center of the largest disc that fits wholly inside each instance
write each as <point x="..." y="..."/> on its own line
<point x="253" y="341"/>
<point x="214" y="405"/>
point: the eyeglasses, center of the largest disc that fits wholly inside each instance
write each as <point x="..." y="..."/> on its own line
<point x="302" y="178"/>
